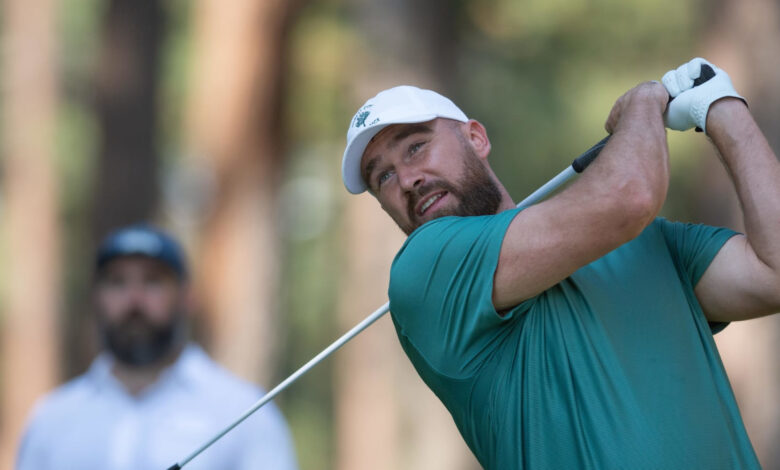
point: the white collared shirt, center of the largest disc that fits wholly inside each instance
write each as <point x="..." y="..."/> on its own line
<point x="92" y="422"/>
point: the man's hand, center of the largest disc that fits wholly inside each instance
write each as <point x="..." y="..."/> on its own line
<point x="644" y="101"/>
<point x="691" y="102"/>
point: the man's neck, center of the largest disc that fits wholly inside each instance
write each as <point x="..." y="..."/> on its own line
<point x="136" y="379"/>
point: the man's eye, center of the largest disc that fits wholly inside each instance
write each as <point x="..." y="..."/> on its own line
<point x="384" y="176"/>
<point x="415" y="147"/>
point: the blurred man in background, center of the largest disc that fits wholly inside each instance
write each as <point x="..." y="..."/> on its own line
<point x="151" y="397"/>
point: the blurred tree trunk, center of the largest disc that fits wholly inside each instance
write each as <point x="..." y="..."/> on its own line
<point x="234" y="129"/>
<point x="386" y="417"/>
<point x="742" y="39"/>
<point x="29" y="345"/>
<point x="127" y="91"/>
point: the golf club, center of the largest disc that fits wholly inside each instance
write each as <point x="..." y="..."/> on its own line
<point x="577" y="166"/>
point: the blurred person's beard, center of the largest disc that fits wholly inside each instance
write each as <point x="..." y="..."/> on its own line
<point x="136" y="342"/>
<point x="477" y="193"/>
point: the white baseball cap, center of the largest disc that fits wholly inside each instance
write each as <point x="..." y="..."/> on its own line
<point x="400" y="105"/>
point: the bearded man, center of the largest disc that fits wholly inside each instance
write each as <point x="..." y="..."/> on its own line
<point x="578" y="332"/>
<point x="151" y="396"/>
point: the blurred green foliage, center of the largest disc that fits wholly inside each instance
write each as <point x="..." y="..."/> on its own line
<point x="76" y="146"/>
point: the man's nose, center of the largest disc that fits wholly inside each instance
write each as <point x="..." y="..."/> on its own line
<point x="410" y="178"/>
<point x="136" y="293"/>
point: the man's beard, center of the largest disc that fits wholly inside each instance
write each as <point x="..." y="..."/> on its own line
<point x="477" y="194"/>
<point x="136" y="342"/>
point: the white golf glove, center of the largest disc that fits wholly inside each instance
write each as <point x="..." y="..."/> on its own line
<point x="691" y="101"/>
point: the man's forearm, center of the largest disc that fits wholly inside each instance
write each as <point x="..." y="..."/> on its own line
<point x="755" y="170"/>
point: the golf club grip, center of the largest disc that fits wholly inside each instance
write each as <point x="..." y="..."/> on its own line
<point x="580" y="163"/>
<point x="705" y="73"/>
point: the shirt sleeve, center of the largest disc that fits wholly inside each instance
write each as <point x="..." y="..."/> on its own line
<point x="441" y="289"/>
<point x="693" y="247"/>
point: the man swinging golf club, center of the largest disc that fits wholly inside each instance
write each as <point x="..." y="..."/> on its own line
<point x="575" y="333"/>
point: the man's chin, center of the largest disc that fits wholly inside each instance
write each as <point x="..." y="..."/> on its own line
<point x="140" y="349"/>
<point x="140" y="355"/>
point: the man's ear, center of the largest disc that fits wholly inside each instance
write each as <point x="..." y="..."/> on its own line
<point x="477" y="136"/>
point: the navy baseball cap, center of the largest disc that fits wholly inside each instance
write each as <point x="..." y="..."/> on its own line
<point x="142" y="240"/>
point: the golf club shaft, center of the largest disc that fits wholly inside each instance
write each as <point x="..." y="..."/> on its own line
<point x="577" y="166"/>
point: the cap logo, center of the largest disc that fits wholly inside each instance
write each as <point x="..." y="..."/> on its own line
<point x="360" y="117"/>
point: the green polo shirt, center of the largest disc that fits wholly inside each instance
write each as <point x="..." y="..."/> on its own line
<point x="615" y="367"/>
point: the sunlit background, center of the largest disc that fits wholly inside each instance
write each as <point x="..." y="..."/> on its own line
<point x="224" y="122"/>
